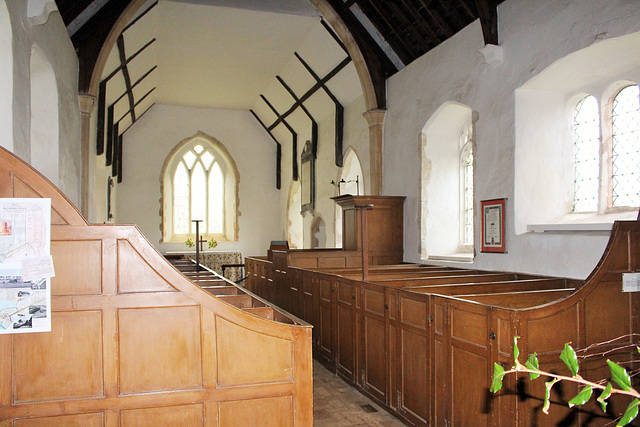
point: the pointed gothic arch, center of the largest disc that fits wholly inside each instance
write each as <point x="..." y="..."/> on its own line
<point x="199" y="161"/>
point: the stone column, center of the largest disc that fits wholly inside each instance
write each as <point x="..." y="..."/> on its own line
<point x="375" y="120"/>
<point x="86" y="107"/>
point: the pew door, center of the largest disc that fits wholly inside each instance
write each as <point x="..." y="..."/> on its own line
<point x="345" y="329"/>
<point x="374" y="362"/>
<point x="324" y="327"/>
<point x="410" y="330"/>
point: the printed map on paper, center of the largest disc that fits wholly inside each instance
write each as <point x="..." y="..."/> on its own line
<point x="25" y="227"/>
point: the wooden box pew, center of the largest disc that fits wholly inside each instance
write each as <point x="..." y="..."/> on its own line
<point x="134" y="342"/>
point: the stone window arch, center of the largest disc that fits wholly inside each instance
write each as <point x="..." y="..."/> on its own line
<point x="200" y="181"/>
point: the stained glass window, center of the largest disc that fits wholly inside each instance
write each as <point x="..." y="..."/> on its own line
<point x="626" y="147"/>
<point x="586" y="150"/>
<point x="198" y="192"/>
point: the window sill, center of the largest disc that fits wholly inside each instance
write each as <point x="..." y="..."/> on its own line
<point x="584" y="223"/>
<point x="459" y="257"/>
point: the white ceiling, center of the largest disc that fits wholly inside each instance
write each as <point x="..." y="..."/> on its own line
<point x="214" y="56"/>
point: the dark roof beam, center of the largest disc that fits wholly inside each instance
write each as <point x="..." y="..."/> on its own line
<point x="380" y="18"/>
<point x="125" y="74"/>
<point x="314" y="124"/>
<point x="488" y="13"/>
<point x="278" y="151"/>
<point x="294" y="139"/>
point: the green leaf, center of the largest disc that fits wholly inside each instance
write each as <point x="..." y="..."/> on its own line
<point x="602" y="399"/>
<point x="619" y="375"/>
<point x="498" y="374"/>
<point x="582" y="397"/>
<point x="547" y="394"/>
<point x="516" y="350"/>
<point x="568" y="356"/>
<point x="532" y="363"/>
<point x="630" y="414"/>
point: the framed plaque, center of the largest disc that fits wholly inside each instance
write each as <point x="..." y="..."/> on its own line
<point x="493" y="237"/>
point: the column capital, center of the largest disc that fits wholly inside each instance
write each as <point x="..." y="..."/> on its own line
<point x="87" y="102"/>
<point x="375" y="117"/>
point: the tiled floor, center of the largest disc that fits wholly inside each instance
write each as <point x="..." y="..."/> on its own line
<point x="335" y="403"/>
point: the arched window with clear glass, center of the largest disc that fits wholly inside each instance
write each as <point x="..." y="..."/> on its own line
<point x="199" y="183"/>
<point x="586" y="154"/>
<point x="625" y="156"/>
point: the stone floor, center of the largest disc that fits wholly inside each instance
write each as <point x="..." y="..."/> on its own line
<point x="335" y="403"/>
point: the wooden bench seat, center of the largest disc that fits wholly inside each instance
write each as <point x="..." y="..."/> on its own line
<point x="221" y="290"/>
<point x="242" y="301"/>
<point x="266" y="312"/>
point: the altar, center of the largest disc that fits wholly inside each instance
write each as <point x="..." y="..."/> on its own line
<point x="215" y="260"/>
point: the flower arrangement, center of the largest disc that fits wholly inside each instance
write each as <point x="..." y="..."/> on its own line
<point x="189" y="242"/>
<point x="212" y="243"/>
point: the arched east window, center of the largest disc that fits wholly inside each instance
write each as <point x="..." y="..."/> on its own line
<point x="199" y="183"/>
<point x="625" y="148"/>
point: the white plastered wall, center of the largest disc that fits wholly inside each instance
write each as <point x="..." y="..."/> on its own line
<point x="533" y="35"/>
<point x="49" y="34"/>
<point x="6" y="83"/>
<point x="356" y="136"/>
<point x="147" y="144"/>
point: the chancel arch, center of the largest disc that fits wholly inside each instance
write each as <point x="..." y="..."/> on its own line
<point x="200" y="182"/>
<point x="6" y="83"/>
<point x="44" y="115"/>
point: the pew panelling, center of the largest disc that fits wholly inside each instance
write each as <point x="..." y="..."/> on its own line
<point x="134" y="342"/>
<point x="442" y="331"/>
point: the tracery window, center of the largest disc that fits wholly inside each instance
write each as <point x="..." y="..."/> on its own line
<point x="198" y="192"/>
<point x="199" y="183"/>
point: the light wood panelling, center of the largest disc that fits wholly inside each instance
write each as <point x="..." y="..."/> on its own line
<point x="130" y="276"/>
<point x="71" y="353"/>
<point x="73" y="277"/>
<point x="159" y="349"/>
<point x="174" y="416"/>
<point x="271" y="412"/>
<point x="124" y="351"/>
<point x="240" y="357"/>
<point x="80" y="420"/>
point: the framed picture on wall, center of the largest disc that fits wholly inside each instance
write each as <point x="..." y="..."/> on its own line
<point x="493" y="237"/>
